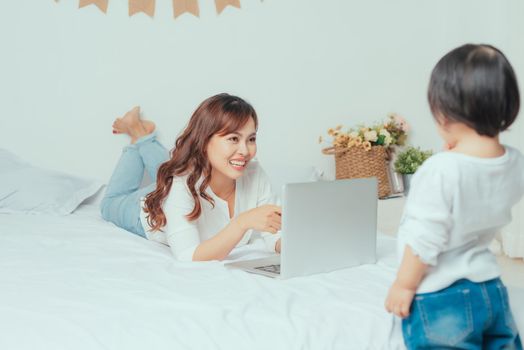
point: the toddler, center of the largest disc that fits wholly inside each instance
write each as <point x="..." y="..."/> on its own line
<point x="448" y="289"/>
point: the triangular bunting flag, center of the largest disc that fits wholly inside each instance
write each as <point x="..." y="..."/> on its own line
<point x="145" y="6"/>
<point x="182" y="6"/>
<point x="101" y="4"/>
<point x="222" y="4"/>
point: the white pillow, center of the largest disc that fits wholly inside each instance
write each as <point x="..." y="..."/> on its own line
<point x="25" y="188"/>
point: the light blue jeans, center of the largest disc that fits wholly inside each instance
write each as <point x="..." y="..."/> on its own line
<point x="465" y="315"/>
<point x="121" y="202"/>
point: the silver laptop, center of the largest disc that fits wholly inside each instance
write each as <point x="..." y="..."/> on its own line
<point x="326" y="226"/>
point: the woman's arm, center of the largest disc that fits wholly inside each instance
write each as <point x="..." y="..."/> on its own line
<point x="220" y="245"/>
<point x="265" y="195"/>
<point x="265" y="218"/>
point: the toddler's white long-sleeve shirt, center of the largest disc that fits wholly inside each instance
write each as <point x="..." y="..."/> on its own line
<point x="456" y="205"/>
<point x="253" y="189"/>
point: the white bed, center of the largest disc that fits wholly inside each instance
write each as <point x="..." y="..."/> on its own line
<point x="77" y="282"/>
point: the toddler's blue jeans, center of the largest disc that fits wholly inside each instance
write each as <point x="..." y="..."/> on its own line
<point x="465" y="315"/>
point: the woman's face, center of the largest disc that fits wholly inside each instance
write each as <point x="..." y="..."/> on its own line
<point x="230" y="154"/>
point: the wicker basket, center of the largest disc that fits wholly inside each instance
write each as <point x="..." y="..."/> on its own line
<point x="356" y="162"/>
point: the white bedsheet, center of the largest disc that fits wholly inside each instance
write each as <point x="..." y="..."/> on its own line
<point x="77" y="282"/>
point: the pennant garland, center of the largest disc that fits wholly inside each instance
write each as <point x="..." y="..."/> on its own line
<point x="148" y="6"/>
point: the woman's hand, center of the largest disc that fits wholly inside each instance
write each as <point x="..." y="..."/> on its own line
<point x="266" y="218"/>
<point x="278" y="246"/>
<point x="399" y="300"/>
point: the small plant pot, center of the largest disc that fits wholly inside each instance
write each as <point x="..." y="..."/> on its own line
<point x="406" y="178"/>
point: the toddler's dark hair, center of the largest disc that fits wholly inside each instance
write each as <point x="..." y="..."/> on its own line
<point x="475" y="85"/>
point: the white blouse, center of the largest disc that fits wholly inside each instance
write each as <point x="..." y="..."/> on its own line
<point x="456" y="205"/>
<point x="253" y="189"/>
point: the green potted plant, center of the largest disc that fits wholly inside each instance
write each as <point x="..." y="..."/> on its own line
<point x="407" y="163"/>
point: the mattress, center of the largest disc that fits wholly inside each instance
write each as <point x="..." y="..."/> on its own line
<point x="78" y="282"/>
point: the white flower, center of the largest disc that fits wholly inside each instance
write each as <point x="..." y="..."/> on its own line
<point x="353" y="134"/>
<point x="371" y="136"/>
<point x="388" y="140"/>
<point x="384" y="132"/>
<point x="401" y="122"/>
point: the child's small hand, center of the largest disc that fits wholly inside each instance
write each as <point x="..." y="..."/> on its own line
<point x="399" y="300"/>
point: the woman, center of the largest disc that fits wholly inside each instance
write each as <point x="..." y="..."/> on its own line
<point x="208" y="196"/>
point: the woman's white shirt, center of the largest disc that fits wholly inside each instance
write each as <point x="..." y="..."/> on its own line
<point x="253" y="189"/>
<point x="456" y="206"/>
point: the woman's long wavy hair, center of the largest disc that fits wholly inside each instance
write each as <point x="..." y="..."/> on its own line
<point x="218" y="115"/>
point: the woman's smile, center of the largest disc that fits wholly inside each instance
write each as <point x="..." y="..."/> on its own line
<point x="238" y="164"/>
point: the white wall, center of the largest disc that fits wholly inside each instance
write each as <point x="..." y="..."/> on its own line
<point x="305" y="65"/>
<point x="514" y="233"/>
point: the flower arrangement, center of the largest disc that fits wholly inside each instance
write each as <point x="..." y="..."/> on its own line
<point x="391" y="132"/>
<point x="410" y="159"/>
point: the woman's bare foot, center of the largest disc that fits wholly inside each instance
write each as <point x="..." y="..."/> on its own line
<point x="132" y="125"/>
<point x="130" y="119"/>
<point x="148" y="125"/>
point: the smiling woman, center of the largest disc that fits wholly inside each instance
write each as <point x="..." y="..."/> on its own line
<point x="208" y="196"/>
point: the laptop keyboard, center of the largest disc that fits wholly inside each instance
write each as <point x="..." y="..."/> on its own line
<point x="270" y="268"/>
